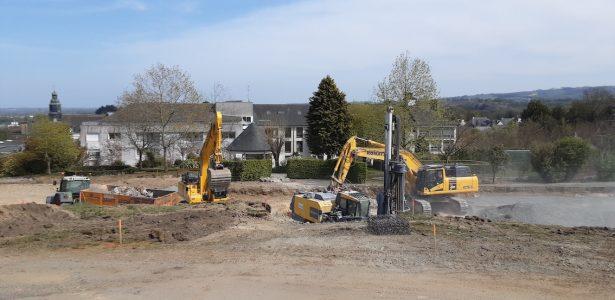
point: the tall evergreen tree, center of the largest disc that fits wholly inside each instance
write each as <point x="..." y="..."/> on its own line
<point x="328" y="119"/>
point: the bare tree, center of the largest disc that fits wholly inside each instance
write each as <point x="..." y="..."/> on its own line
<point x="275" y="140"/>
<point x="218" y="93"/>
<point x="188" y="144"/>
<point x="113" y="149"/>
<point x="136" y="128"/>
<point x="275" y="134"/>
<point x="465" y="139"/>
<point x="160" y="91"/>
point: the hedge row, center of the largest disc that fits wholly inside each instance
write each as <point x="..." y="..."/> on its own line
<point x="101" y="170"/>
<point x="249" y="170"/>
<point x="298" y="168"/>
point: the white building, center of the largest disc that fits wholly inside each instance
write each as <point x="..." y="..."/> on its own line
<point x="110" y="140"/>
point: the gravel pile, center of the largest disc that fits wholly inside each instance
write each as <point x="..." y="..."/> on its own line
<point x="388" y="225"/>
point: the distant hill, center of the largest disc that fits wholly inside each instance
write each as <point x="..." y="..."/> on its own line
<point x="25" y="111"/>
<point x="565" y="93"/>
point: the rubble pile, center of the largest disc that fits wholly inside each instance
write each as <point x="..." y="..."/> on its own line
<point x="274" y="179"/>
<point x="132" y="191"/>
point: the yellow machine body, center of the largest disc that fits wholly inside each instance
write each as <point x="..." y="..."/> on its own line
<point x="424" y="180"/>
<point x="311" y="206"/>
<point x="212" y="181"/>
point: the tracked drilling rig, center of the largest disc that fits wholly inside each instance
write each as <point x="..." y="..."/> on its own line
<point x="408" y="184"/>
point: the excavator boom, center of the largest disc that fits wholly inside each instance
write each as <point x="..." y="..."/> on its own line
<point x="213" y="178"/>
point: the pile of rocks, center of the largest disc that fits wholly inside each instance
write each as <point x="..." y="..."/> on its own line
<point x="132" y="191"/>
<point x="274" y="179"/>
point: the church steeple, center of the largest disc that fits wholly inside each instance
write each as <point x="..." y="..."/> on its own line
<point x="55" y="108"/>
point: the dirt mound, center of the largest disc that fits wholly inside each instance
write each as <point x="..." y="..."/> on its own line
<point x="17" y="219"/>
<point x="37" y="225"/>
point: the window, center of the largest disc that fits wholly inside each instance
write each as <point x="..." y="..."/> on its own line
<point x="114" y="136"/>
<point x="288" y="147"/>
<point x="299" y="147"/>
<point x="228" y="134"/>
<point x="91" y="137"/>
<point x="191" y="136"/>
<point x="247" y="119"/>
<point x="288" y="132"/>
<point x="271" y="132"/>
<point x="299" y="133"/>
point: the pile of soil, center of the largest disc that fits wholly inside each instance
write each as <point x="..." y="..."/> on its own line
<point x="35" y="225"/>
<point x="19" y="219"/>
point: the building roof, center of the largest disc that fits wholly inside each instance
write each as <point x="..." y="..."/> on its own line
<point x="480" y="122"/>
<point x="281" y="114"/>
<point x="74" y="121"/>
<point x="252" y="139"/>
<point x="184" y="112"/>
<point x="235" y="108"/>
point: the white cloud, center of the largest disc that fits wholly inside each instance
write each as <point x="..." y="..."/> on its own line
<point x="473" y="46"/>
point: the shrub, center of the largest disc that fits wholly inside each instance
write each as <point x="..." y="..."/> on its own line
<point x="249" y="170"/>
<point x="357" y="172"/>
<point x="309" y="168"/>
<point x="22" y="163"/>
<point x="561" y="160"/>
<point x="151" y="160"/>
<point x="605" y="167"/>
<point x="279" y="169"/>
<point x="177" y="162"/>
<point x="322" y="169"/>
<point x="570" y="155"/>
<point x="542" y="161"/>
<point x="101" y="170"/>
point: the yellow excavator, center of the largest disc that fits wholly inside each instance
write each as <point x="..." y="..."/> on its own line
<point x="213" y="179"/>
<point x="408" y="184"/>
<point x="430" y="188"/>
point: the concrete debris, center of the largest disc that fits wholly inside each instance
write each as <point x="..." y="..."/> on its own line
<point x="274" y="179"/>
<point x="132" y="191"/>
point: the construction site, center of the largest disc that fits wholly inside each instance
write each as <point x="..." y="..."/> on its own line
<point x="425" y="231"/>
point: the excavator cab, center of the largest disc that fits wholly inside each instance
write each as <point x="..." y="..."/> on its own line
<point x="440" y="179"/>
<point x="429" y="178"/>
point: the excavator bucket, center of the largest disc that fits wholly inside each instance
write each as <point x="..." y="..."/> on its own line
<point x="219" y="181"/>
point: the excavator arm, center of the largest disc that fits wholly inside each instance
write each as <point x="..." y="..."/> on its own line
<point x="211" y="151"/>
<point x="359" y="147"/>
<point x="212" y="181"/>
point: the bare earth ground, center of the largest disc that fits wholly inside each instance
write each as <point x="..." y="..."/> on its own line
<point x="227" y="252"/>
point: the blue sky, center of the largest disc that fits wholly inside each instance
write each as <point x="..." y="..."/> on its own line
<point x="279" y="50"/>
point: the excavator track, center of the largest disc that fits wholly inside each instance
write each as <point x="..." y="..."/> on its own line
<point x="420" y="207"/>
<point x="449" y="206"/>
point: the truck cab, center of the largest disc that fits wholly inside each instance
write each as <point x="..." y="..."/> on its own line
<point x="69" y="189"/>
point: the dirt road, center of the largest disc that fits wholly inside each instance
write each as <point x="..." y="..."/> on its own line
<point x="196" y="272"/>
<point x="224" y="252"/>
